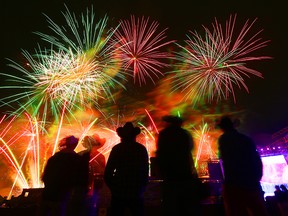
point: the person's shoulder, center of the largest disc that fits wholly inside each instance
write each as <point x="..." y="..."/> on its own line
<point x="225" y="140"/>
<point x="59" y="157"/>
<point x="245" y="137"/>
<point x="72" y="156"/>
<point x="140" y="145"/>
<point x="221" y="141"/>
<point x="141" y="148"/>
<point x="165" y="130"/>
<point x="185" y="131"/>
<point x="231" y="134"/>
<point x="56" y="156"/>
<point x="117" y="146"/>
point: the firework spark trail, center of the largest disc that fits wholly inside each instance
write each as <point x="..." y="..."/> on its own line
<point x="209" y="67"/>
<point x="59" y="129"/>
<point x="104" y="151"/>
<point x="26" y="182"/>
<point x="35" y="140"/>
<point x="146" y="129"/>
<point x="151" y="119"/>
<point x="85" y="34"/>
<point x="141" y="45"/>
<point x="6" y="129"/>
<point x="201" y="135"/>
<point x="13" y="160"/>
<point x="107" y="148"/>
<point x="86" y="130"/>
<point x="33" y="146"/>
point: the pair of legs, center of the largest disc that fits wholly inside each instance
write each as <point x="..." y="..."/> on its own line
<point x="120" y="205"/>
<point x="180" y="198"/>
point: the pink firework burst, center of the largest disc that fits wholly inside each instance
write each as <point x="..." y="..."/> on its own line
<point x="142" y="48"/>
<point x="211" y="66"/>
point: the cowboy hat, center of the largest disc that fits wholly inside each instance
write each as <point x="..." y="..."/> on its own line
<point x="128" y="130"/>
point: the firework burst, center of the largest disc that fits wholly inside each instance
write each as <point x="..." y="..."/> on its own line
<point x="211" y="66"/>
<point x="73" y="72"/>
<point x="94" y="54"/>
<point x="140" y="45"/>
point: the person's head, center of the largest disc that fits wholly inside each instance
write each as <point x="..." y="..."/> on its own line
<point x="128" y="131"/>
<point x="93" y="141"/>
<point x="99" y="141"/>
<point x="88" y="142"/>
<point x="173" y="120"/>
<point x="68" y="143"/>
<point x="283" y="187"/>
<point x="226" y="123"/>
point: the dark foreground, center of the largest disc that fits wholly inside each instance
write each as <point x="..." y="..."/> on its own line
<point x="27" y="202"/>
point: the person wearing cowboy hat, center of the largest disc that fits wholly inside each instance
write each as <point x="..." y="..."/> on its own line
<point x="180" y="194"/>
<point x="242" y="166"/>
<point x="63" y="176"/>
<point x="126" y="173"/>
<point x="95" y="163"/>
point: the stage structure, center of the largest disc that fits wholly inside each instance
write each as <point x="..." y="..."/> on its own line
<point x="275" y="162"/>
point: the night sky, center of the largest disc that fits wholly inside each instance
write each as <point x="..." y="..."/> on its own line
<point x="266" y="103"/>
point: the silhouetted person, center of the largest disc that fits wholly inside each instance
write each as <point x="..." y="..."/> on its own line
<point x="284" y="190"/>
<point x="95" y="162"/>
<point x="97" y="157"/>
<point x="64" y="181"/>
<point x="2" y="200"/>
<point x="126" y="173"/>
<point x="176" y="167"/>
<point x="242" y="165"/>
<point x="278" y="193"/>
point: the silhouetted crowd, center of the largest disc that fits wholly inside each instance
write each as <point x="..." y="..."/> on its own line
<point x="71" y="180"/>
<point x="281" y="193"/>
